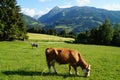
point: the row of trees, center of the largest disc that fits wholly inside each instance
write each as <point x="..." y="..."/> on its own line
<point x="105" y="35"/>
<point x="37" y="30"/>
<point x="11" y="24"/>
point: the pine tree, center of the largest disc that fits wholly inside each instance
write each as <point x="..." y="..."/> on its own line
<point x="116" y="38"/>
<point x="11" y="23"/>
<point x="106" y="32"/>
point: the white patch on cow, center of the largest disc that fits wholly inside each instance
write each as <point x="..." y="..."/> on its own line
<point x="84" y="70"/>
<point x="89" y="70"/>
<point x="70" y="72"/>
<point x="88" y="74"/>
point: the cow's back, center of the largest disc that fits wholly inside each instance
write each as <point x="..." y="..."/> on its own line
<point x="63" y="55"/>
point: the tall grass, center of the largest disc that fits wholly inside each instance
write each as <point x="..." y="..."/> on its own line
<point x="18" y="61"/>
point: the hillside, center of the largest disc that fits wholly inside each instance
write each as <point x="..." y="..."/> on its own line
<point x="78" y="18"/>
<point x="44" y="37"/>
<point x="31" y="22"/>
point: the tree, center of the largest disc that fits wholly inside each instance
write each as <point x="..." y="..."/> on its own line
<point x="11" y="24"/>
<point x="83" y="38"/>
<point x="52" y="31"/>
<point x="102" y="35"/>
<point x="43" y="31"/>
<point x="116" y="38"/>
<point x="1" y="30"/>
<point x="117" y="26"/>
<point x="62" y="33"/>
<point x="106" y="32"/>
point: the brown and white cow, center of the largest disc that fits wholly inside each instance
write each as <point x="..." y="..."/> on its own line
<point x="66" y="56"/>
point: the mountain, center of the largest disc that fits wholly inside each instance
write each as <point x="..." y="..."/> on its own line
<point x="78" y="19"/>
<point x="51" y="15"/>
<point x="31" y="22"/>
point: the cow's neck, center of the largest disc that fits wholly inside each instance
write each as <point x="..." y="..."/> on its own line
<point x="82" y="63"/>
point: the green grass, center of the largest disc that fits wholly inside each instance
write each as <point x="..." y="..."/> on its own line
<point x="47" y="38"/>
<point x="18" y="61"/>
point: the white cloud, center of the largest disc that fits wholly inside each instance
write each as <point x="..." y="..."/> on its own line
<point x="82" y="2"/>
<point x="34" y="12"/>
<point x="42" y="12"/>
<point x="112" y="7"/>
<point x="28" y="11"/>
<point x="42" y="0"/>
<point x="66" y="5"/>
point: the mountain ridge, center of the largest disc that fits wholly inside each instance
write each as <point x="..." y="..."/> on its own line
<point x="79" y="18"/>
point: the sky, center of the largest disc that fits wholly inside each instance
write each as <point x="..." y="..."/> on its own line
<point x="41" y="7"/>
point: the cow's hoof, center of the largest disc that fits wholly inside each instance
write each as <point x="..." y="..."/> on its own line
<point x="70" y="73"/>
<point x="77" y="73"/>
<point x="56" y="73"/>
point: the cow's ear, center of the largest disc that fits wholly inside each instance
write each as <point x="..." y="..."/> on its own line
<point x="49" y="50"/>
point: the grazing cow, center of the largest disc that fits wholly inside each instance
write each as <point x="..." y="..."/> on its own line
<point x="66" y="56"/>
<point x="34" y="45"/>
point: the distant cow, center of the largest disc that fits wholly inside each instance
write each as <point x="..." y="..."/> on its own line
<point x="34" y="45"/>
<point x="66" y="56"/>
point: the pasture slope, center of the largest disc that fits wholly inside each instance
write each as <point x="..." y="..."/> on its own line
<point x="18" y="61"/>
<point x="47" y="38"/>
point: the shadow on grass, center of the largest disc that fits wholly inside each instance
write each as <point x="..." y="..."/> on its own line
<point x="25" y="73"/>
<point x="35" y="73"/>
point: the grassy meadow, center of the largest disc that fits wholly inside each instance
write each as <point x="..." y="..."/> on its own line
<point x="19" y="61"/>
<point x="47" y="38"/>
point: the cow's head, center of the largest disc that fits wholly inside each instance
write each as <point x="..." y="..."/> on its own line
<point x="87" y="71"/>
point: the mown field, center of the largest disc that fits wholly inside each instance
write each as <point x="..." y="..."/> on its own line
<point x="18" y="61"/>
<point x="47" y="38"/>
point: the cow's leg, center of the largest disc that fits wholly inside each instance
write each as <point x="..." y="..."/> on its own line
<point x="75" y="68"/>
<point x="70" y="70"/>
<point x="49" y="67"/>
<point x="54" y="69"/>
<point x="53" y="64"/>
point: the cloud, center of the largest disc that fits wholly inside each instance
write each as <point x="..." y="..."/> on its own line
<point x="39" y="13"/>
<point x="42" y="0"/>
<point x="34" y="12"/>
<point x="42" y="12"/>
<point x="28" y="11"/>
<point x="112" y="7"/>
<point x="65" y="6"/>
<point x="82" y="2"/>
